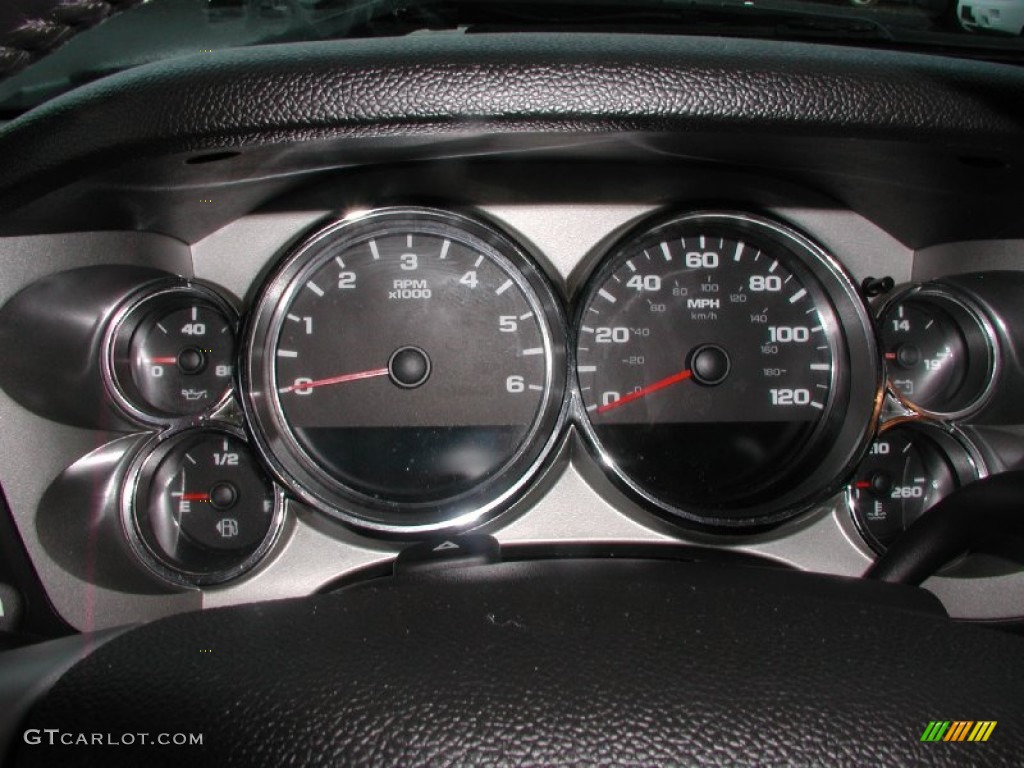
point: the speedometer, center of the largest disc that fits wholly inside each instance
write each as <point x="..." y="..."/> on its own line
<point x="726" y="370"/>
<point x="406" y="370"/>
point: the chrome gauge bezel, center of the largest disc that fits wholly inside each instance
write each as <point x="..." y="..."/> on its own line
<point x="860" y="392"/>
<point x="145" y="460"/>
<point x="969" y="464"/>
<point x="299" y="472"/>
<point x="974" y="313"/>
<point x="118" y="334"/>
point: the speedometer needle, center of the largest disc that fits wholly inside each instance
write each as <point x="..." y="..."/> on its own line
<point x="335" y="380"/>
<point x="668" y="381"/>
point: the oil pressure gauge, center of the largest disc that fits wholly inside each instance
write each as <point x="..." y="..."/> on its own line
<point x="170" y="353"/>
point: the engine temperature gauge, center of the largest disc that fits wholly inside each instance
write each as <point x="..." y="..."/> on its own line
<point x="200" y="510"/>
<point x="171" y="354"/>
<point x="909" y="468"/>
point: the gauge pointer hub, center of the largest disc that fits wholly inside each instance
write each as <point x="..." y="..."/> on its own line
<point x="710" y="364"/>
<point x="409" y="367"/>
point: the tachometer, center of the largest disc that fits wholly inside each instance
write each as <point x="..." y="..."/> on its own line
<point x="725" y="368"/>
<point x="406" y="370"/>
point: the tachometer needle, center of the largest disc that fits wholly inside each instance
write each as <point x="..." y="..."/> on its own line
<point x="335" y="380"/>
<point x="668" y="381"/>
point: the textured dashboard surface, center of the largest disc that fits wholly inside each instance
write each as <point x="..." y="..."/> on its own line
<point x="29" y="29"/>
<point x="507" y="83"/>
<point x="573" y="662"/>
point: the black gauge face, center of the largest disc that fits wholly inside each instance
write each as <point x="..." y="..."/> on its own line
<point x="908" y="469"/>
<point x="409" y="366"/>
<point x="173" y="354"/>
<point x="710" y="362"/>
<point x="202" y="506"/>
<point x="937" y="352"/>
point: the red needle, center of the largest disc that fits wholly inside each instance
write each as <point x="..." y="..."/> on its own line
<point x="195" y="497"/>
<point x="163" y="360"/>
<point x="890" y="355"/>
<point x="862" y="484"/>
<point x="668" y="381"/>
<point x="336" y="380"/>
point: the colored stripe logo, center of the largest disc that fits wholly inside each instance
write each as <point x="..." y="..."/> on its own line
<point x="958" y="730"/>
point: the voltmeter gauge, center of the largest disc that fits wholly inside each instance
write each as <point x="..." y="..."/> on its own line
<point x="939" y="351"/>
<point x="910" y="466"/>
<point x="198" y="509"/>
<point x="170" y="353"/>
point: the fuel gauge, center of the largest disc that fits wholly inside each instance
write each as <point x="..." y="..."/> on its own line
<point x="199" y="509"/>
<point x="909" y="468"/>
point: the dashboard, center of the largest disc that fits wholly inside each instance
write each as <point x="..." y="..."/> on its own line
<point x="737" y="392"/>
<point x="289" y="401"/>
<point x="668" y="338"/>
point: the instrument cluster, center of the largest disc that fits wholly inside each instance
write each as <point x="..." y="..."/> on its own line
<point x="412" y="372"/>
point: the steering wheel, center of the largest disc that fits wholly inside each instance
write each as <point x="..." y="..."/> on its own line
<point x="473" y="659"/>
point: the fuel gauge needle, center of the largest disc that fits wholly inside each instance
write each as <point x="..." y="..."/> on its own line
<point x="668" y="381"/>
<point x="335" y="380"/>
